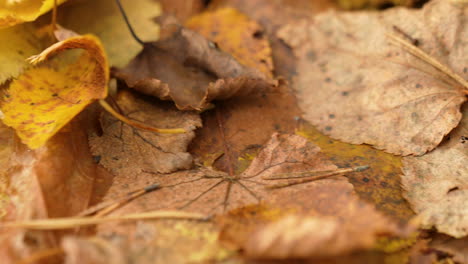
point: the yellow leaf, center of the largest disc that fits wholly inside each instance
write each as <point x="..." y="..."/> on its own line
<point x="237" y="35"/>
<point x="44" y="99"/>
<point x="16" y="44"/>
<point x="13" y="12"/>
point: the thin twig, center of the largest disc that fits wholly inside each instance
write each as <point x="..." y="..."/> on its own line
<point x="307" y="174"/>
<point x="73" y="222"/>
<point x="139" y="125"/>
<point x="315" y="178"/>
<point x="428" y="59"/>
<point x="106" y="207"/>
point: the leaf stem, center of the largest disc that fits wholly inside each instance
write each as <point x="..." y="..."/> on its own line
<point x="136" y="124"/>
<point x="130" y="28"/>
<point x="428" y="59"/>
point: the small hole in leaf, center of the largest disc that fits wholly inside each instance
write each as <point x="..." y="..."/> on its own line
<point x="258" y="34"/>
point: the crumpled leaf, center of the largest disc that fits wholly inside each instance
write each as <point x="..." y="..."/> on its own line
<point x="357" y="87"/>
<point x="16" y="45"/>
<point x="19" y="11"/>
<point x="63" y="170"/>
<point x="131" y="151"/>
<point x="237" y="35"/>
<point x="188" y="69"/>
<point x="103" y="19"/>
<point x="436" y="184"/>
<point x="44" y="99"/>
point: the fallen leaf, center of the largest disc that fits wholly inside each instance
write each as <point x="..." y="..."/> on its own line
<point x="357" y="87"/>
<point x="44" y="99"/>
<point x="265" y="12"/>
<point x="436" y="184"/>
<point x="19" y="11"/>
<point x="125" y="150"/>
<point x="182" y="9"/>
<point x="90" y="251"/>
<point x="103" y="19"/>
<point x="237" y="35"/>
<point x="16" y="45"/>
<point x="188" y="69"/>
<point x="457" y="248"/>
<point x="63" y="170"/>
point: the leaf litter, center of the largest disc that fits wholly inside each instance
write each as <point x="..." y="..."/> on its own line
<point x="257" y="220"/>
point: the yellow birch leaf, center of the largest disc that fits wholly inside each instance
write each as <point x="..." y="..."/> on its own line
<point x="237" y="35"/>
<point x="13" y="12"/>
<point x="16" y="44"/>
<point x="44" y="99"/>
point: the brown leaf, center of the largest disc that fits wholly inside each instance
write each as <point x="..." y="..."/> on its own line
<point x="91" y="251"/>
<point x="265" y="12"/>
<point x="188" y="69"/>
<point x="237" y="35"/>
<point x="182" y="9"/>
<point x="62" y="170"/>
<point x="357" y="87"/>
<point x="457" y="248"/>
<point x="125" y="150"/>
<point x="436" y="184"/>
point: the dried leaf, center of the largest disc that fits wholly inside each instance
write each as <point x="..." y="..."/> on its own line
<point x="19" y="11"/>
<point x="125" y="150"/>
<point x="103" y="19"/>
<point x="44" y="99"/>
<point x="357" y="87"/>
<point x="188" y="69"/>
<point x="436" y="184"/>
<point x="457" y="248"/>
<point x="16" y="45"/>
<point x="62" y="170"/>
<point x="237" y="35"/>
<point x="182" y="9"/>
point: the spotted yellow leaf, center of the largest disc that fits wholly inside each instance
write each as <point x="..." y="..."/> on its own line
<point x="16" y="44"/>
<point x="13" y="12"/>
<point x="45" y="98"/>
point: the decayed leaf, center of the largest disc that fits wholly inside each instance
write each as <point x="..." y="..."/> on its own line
<point x="436" y="184"/>
<point x="16" y="45"/>
<point x="44" y="99"/>
<point x="103" y="19"/>
<point x="237" y="35"/>
<point x="126" y="150"/>
<point x="19" y="11"/>
<point x="357" y="87"/>
<point x="188" y="69"/>
<point x="53" y="181"/>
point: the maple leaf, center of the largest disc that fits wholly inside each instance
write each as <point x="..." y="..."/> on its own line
<point x="436" y="184"/>
<point x="356" y="86"/>
<point x="19" y="11"/>
<point x="122" y="147"/>
<point x="44" y="99"/>
<point x="185" y="67"/>
<point x="237" y="35"/>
